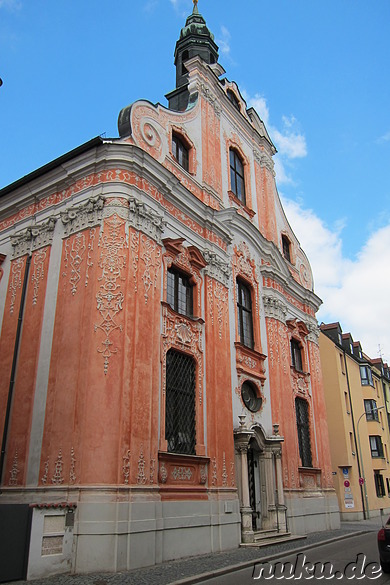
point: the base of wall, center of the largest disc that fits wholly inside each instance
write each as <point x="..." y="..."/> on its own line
<point x="116" y="530"/>
<point x="312" y="512"/>
<point x="356" y="516"/>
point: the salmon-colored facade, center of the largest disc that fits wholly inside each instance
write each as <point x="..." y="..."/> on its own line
<point x="167" y="392"/>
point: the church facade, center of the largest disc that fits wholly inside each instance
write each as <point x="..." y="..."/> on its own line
<point x="161" y="392"/>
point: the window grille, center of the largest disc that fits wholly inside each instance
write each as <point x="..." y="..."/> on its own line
<point x="244" y="314"/>
<point x="179" y="292"/>
<point x="180" y="403"/>
<point x="296" y="355"/>
<point x="180" y="151"/>
<point x="237" y="182"/>
<point x="303" y="429"/>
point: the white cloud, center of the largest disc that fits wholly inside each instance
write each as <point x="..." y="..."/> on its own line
<point x="224" y="41"/>
<point x="384" y="138"/>
<point x="288" y="138"/>
<point x="10" y="4"/>
<point x="354" y="292"/>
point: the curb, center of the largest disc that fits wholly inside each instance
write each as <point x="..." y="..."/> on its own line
<point x="246" y="564"/>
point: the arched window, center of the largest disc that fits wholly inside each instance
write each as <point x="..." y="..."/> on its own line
<point x="244" y="314"/>
<point x="180" y="430"/>
<point x="303" y="430"/>
<point x="237" y="182"/>
<point x="180" y="151"/>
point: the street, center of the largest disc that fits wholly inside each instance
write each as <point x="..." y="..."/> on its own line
<point x="360" y="550"/>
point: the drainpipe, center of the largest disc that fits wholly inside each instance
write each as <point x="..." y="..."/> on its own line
<point x="13" y="370"/>
<point x="354" y="436"/>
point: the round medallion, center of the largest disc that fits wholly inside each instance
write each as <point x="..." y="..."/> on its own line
<point x="250" y="398"/>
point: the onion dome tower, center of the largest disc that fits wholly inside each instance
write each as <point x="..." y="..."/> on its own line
<point x="195" y="40"/>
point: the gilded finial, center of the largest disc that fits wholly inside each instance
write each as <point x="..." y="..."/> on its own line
<point x="195" y="6"/>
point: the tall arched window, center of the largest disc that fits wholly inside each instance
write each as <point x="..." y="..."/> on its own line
<point x="244" y="314"/>
<point x="180" y="431"/>
<point x="303" y="430"/>
<point x="237" y="182"/>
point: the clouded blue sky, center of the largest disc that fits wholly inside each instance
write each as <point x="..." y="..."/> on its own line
<point x="316" y="70"/>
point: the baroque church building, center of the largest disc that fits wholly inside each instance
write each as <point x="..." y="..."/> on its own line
<point x="161" y="392"/>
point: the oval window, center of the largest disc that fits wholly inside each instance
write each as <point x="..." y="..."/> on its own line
<point x="250" y="398"/>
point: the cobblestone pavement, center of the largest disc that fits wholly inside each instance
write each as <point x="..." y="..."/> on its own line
<point x="170" y="572"/>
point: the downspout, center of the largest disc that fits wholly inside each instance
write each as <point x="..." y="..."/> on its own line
<point x="13" y="370"/>
<point x="354" y="435"/>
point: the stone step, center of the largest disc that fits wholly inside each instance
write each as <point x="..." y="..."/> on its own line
<point x="273" y="537"/>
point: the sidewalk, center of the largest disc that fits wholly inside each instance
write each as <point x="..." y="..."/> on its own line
<point x="188" y="569"/>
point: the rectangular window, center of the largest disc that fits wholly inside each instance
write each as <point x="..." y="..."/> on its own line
<point x="286" y="248"/>
<point x="371" y="410"/>
<point x="303" y="429"/>
<point x="376" y="446"/>
<point x="388" y="486"/>
<point x="379" y="484"/>
<point x="244" y="315"/>
<point x="342" y="364"/>
<point x="53" y="535"/>
<point x="366" y="376"/>
<point x="296" y="355"/>
<point x="179" y="292"/>
<point x="347" y="408"/>
<point x="237" y="182"/>
<point x="180" y="151"/>
<point x="180" y="403"/>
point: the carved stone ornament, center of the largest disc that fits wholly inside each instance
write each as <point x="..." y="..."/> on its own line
<point x="84" y="215"/>
<point x="265" y="160"/>
<point x="143" y="218"/>
<point x="13" y="480"/>
<point x="141" y="477"/>
<point x="210" y="97"/>
<point x="33" y="238"/>
<point x="186" y="335"/>
<point x="110" y="297"/>
<point x="126" y="467"/>
<point x="217" y="268"/>
<point x="38" y="274"/>
<point x="275" y="308"/>
<point x="163" y="473"/>
<point x="182" y="473"/>
<point x="58" y="478"/>
<point x="72" y="471"/>
<point x="203" y="474"/>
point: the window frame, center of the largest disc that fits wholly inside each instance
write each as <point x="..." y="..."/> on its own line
<point x="296" y="351"/>
<point x="379" y="485"/>
<point x="181" y="148"/>
<point x="286" y="248"/>
<point x="371" y="410"/>
<point x="181" y="281"/>
<point x="246" y="336"/>
<point x="237" y="173"/>
<point x="376" y="446"/>
<point x="366" y="380"/>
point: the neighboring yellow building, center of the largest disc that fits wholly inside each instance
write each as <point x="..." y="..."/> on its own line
<point x="357" y="395"/>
